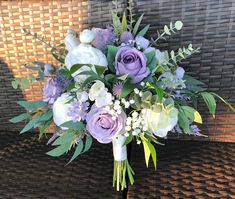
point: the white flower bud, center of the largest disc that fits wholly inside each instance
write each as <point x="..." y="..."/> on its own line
<point x="127" y="104"/>
<point x="138" y="142"/>
<point x="134" y="114"/>
<point x="127" y="128"/>
<point x="136" y="90"/>
<point x="132" y="101"/>
<point x="87" y="36"/>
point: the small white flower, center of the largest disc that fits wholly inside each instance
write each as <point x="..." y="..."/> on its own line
<point x="123" y="100"/>
<point x="119" y="111"/>
<point x="127" y="128"/>
<point x="141" y="94"/>
<point x="127" y="104"/>
<point x="126" y="134"/>
<point x="138" y="142"/>
<point x="135" y="114"/>
<point x="87" y="36"/>
<point x="136" y="90"/>
<point x="117" y="102"/>
<point x="132" y="101"/>
<point x="142" y="84"/>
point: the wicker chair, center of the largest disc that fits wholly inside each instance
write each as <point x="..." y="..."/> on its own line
<point x="185" y="169"/>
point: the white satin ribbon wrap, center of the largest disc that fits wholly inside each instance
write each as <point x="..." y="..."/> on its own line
<point x="119" y="149"/>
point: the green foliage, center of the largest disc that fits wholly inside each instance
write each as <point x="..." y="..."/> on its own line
<point x="32" y="105"/>
<point x="20" y="118"/>
<point x="77" y="151"/>
<point x="23" y="82"/>
<point x="152" y="61"/>
<point x="130" y="8"/>
<point x="193" y="84"/>
<point x="127" y="88"/>
<point x="143" y="31"/>
<point x="137" y="25"/>
<point x="116" y="23"/>
<point x="78" y="126"/>
<point x="159" y="90"/>
<point x="149" y="149"/>
<point x="210" y="102"/>
<point x="31" y="124"/>
<point x="224" y="101"/>
<point x="112" y="51"/>
<point x="88" y="143"/>
<point x="168" y="30"/>
<point x="124" y="24"/>
<point x="128" y="139"/>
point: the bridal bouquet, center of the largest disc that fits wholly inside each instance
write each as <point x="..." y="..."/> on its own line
<point x="115" y="86"/>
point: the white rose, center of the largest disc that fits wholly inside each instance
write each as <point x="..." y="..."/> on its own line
<point x="60" y="110"/>
<point x="99" y="94"/>
<point x="71" y="41"/>
<point x="159" y="120"/>
<point x="87" y="36"/>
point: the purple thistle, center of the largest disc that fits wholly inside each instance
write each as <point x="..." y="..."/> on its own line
<point x="117" y="89"/>
<point x="78" y="110"/>
<point x="62" y="81"/>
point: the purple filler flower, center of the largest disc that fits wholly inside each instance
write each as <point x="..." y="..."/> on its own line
<point x="51" y="91"/>
<point x="126" y="36"/>
<point x="180" y="72"/>
<point x="103" y="37"/>
<point x="133" y="62"/>
<point x="62" y="81"/>
<point x="102" y="126"/>
<point x="78" y="110"/>
<point x="143" y="43"/>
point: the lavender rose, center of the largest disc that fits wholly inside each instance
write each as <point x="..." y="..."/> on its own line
<point x="133" y="62"/>
<point x="51" y="91"/>
<point x="102" y="125"/>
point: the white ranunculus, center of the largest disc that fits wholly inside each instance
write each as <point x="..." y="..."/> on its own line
<point x="82" y="96"/>
<point x="60" y="110"/>
<point x="99" y="94"/>
<point x="160" y="120"/>
<point x="71" y="41"/>
<point x="87" y="36"/>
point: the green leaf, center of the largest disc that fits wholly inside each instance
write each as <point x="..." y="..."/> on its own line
<point x="77" y="151"/>
<point x="127" y="88"/>
<point x="79" y="126"/>
<point x="224" y="101"/>
<point x="20" y="118"/>
<point x="192" y="114"/>
<point x="60" y="150"/>
<point x="88" y="143"/>
<point x="32" y="105"/>
<point x="152" y="61"/>
<point x="75" y="67"/>
<point x="153" y="154"/>
<point x="147" y="152"/>
<point x="14" y="84"/>
<point x="183" y="121"/>
<point x="31" y="124"/>
<point x="37" y="68"/>
<point x="210" y="102"/>
<point x="158" y="89"/>
<point x="65" y="138"/>
<point x="128" y="140"/>
<point x="47" y="115"/>
<point x="166" y="30"/>
<point x="112" y="51"/>
<point x="143" y="31"/>
<point x="136" y="27"/>
<point x="124" y="23"/>
<point x="123" y="77"/>
<point x="178" y="25"/>
<point x="116" y="23"/>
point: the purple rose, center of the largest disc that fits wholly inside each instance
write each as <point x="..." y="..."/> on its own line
<point x="103" y="37"/>
<point x="103" y="126"/>
<point x="125" y="37"/>
<point x="133" y="62"/>
<point x="143" y="43"/>
<point x="51" y="91"/>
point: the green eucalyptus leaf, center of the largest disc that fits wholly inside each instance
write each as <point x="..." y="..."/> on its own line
<point x="112" y="51"/>
<point x="88" y="143"/>
<point x="21" y="117"/>
<point x="30" y="124"/>
<point x="166" y="30"/>
<point x="65" y="138"/>
<point x="178" y="25"/>
<point x="79" y="126"/>
<point x="77" y="151"/>
<point x="60" y="150"/>
<point x="14" y="84"/>
<point x="32" y="105"/>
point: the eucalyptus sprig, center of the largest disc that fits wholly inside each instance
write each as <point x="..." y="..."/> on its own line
<point x="167" y="31"/>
